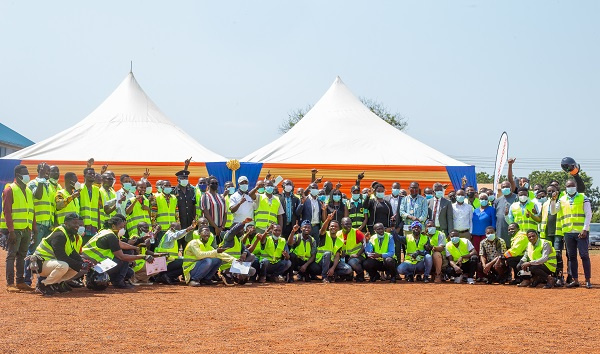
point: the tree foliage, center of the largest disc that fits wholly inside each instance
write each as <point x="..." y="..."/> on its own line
<point x="545" y="177"/>
<point x="484" y="177"/>
<point x="396" y="120"/>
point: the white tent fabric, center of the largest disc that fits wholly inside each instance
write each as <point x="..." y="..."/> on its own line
<point x="126" y="127"/>
<point x="327" y="135"/>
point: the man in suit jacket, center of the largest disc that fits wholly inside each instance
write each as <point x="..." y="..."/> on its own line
<point x="310" y="209"/>
<point x="398" y="223"/>
<point x="443" y="217"/>
<point x="289" y="202"/>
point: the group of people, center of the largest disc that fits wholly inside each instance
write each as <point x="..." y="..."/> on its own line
<point x="280" y="233"/>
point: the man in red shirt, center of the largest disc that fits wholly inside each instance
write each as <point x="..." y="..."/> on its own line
<point x="354" y="248"/>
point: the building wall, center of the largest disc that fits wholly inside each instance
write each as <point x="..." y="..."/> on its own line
<point x="7" y="149"/>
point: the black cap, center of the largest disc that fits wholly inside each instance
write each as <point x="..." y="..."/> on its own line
<point x="355" y="189"/>
<point x="182" y="173"/>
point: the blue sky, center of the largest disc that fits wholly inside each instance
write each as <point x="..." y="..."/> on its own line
<point x="229" y="72"/>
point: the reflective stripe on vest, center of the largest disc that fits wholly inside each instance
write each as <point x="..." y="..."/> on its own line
<point x="137" y="215"/>
<point x="92" y="250"/>
<point x="72" y="207"/>
<point x="536" y="253"/>
<point x="571" y="217"/>
<point x="356" y="214"/>
<point x="189" y="260"/>
<point x="350" y="246"/>
<point x="45" y="250"/>
<point x="199" y="195"/>
<point x="303" y="249"/>
<point x="457" y="252"/>
<point x="383" y="248"/>
<point x="88" y="208"/>
<point x="235" y="251"/>
<point x="525" y="223"/>
<point x="271" y="253"/>
<point x="22" y="208"/>
<point x="229" y="220"/>
<point x="412" y="247"/>
<point x="44" y="210"/>
<point x="165" y="214"/>
<point x="266" y="213"/>
<point x="107" y="195"/>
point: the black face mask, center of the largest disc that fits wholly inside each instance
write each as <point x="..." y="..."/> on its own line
<point x="453" y="199"/>
<point x="471" y="194"/>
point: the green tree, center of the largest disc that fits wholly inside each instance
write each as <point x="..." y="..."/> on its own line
<point x="396" y="120"/>
<point x="484" y="177"/>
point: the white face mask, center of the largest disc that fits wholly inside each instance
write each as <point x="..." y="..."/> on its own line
<point x="523" y="198"/>
<point x="121" y="232"/>
<point x="81" y="230"/>
<point x="244" y="187"/>
<point x="183" y="182"/>
<point x="77" y="186"/>
<point x="288" y="188"/>
<point x="25" y="178"/>
<point x="275" y="237"/>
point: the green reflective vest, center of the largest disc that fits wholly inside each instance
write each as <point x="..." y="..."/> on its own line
<point x="303" y="249"/>
<point x="45" y="250"/>
<point x="535" y="252"/>
<point x="138" y="215"/>
<point x="266" y="213"/>
<point x="189" y="259"/>
<point x="92" y="250"/>
<point x="350" y="245"/>
<point x="271" y="252"/>
<point x="22" y="208"/>
<point x="72" y="207"/>
<point x="165" y="211"/>
<point x="105" y="196"/>
<point x="571" y="216"/>
<point x="460" y="251"/>
<point x="412" y="247"/>
<point x="520" y="217"/>
<point x="44" y="210"/>
<point x="356" y="213"/>
<point x="88" y="207"/>
<point x="234" y="251"/>
<point x="329" y="246"/>
<point x="383" y="247"/>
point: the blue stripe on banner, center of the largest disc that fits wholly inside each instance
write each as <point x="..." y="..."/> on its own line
<point x="7" y="173"/>
<point x="456" y="173"/>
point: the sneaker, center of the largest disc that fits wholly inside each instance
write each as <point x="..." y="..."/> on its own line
<point x="228" y="281"/>
<point x="76" y="283"/>
<point x="123" y="285"/>
<point x="458" y="279"/>
<point x="194" y="283"/>
<point x="11" y="288"/>
<point x="45" y="290"/>
<point x="549" y="283"/>
<point x="588" y="284"/>
<point x="59" y="288"/>
<point x="425" y="279"/>
<point x="525" y="283"/>
<point x="208" y="282"/>
<point x="326" y="280"/>
<point x="262" y="280"/>
<point x="375" y="278"/>
<point x="393" y="280"/>
<point x="573" y="284"/>
<point x="470" y="281"/>
<point x="560" y="282"/>
<point x="24" y="287"/>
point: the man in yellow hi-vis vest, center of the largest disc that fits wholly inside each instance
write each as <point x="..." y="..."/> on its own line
<point x="540" y="260"/>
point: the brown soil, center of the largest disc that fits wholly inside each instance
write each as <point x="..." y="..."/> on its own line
<point x="305" y="318"/>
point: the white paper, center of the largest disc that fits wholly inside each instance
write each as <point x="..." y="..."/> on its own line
<point x="159" y="265"/>
<point x="240" y="268"/>
<point x="105" y="265"/>
<point x="278" y="180"/>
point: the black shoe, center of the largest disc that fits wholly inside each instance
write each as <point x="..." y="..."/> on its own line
<point x="588" y="284"/>
<point x="75" y="283"/>
<point x="123" y="285"/>
<point x="208" y="282"/>
<point x="59" y="288"/>
<point x="290" y="278"/>
<point x="164" y="279"/>
<point x="374" y="278"/>
<point x="393" y="280"/>
<point x="418" y="277"/>
<point x="560" y="282"/>
<point x="573" y="284"/>
<point x="45" y="290"/>
<point x="515" y="282"/>
<point x="360" y="279"/>
<point x="569" y="279"/>
<point x="426" y="280"/>
<point x="410" y="279"/>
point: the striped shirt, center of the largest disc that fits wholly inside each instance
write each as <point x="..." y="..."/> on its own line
<point x="214" y="205"/>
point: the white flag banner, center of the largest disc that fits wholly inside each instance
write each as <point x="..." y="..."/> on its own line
<point x="501" y="159"/>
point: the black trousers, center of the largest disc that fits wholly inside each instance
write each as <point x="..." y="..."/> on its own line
<point x="468" y="269"/>
<point x="540" y="271"/>
<point x="174" y="268"/>
<point x="312" y="270"/>
<point x="372" y="266"/>
<point x="513" y="263"/>
<point x="120" y="272"/>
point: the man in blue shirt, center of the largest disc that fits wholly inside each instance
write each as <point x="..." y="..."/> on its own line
<point x="380" y="254"/>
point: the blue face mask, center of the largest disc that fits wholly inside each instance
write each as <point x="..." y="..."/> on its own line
<point x="126" y="186"/>
<point x="431" y="230"/>
<point x="202" y="187"/>
<point x="395" y="192"/>
<point x="483" y="202"/>
<point x="243" y="187"/>
<point x="365" y="195"/>
<point x="460" y="198"/>
<point x="380" y="195"/>
<point x="269" y="189"/>
<point x="345" y="201"/>
<point x="428" y="196"/>
<point x="491" y="197"/>
<point x="322" y="198"/>
<point x="314" y="192"/>
<point x="355" y="197"/>
<point x="167" y="190"/>
<point x="455" y="240"/>
<point x="505" y="191"/>
<point x="231" y="190"/>
<point x="571" y="191"/>
<point x="261" y="190"/>
<point x="337" y="198"/>
<point x="439" y="194"/>
<point x="491" y="237"/>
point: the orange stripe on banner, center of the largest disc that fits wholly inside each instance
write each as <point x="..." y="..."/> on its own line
<point x="358" y="168"/>
<point x="158" y="170"/>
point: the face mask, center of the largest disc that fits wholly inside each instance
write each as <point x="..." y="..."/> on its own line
<point x="439" y="194"/>
<point x="337" y="198"/>
<point x="431" y="230"/>
<point x="322" y="198"/>
<point x="231" y="190"/>
<point x="380" y="194"/>
<point x="25" y="178"/>
<point x="365" y="195"/>
<point x="77" y="186"/>
<point x="159" y="189"/>
<point x="455" y="240"/>
<point x="53" y="180"/>
<point x="275" y="238"/>
<point x="345" y="201"/>
<point x="288" y="189"/>
<point x="428" y="196"/>
<point x="142" y="234"/>
<point x="570" y="190"/>
<point x="483" y="202"/>
<point x="269" y="189"/>
<point x="126" y="186"/>
<point x="380" y="236"/>
<point x="453" y="199"/>
<point x="523" y="198"/>
<point x="505" y="191"/>
<point x="460" y="198"/>
<point x="202" y="187"/>
<point x="121" y="233"/>
<point x="491" y="237"/>
<point x="261" y="190"/>
<point x="395" y="192"/>
<point x="471" y="194"/>
<point x="132" y="189"/>
<point x="42" y="180"/>
<point x="167" y="190"/>
<point x="243" y="187"/>
<point x="491" y="198"/>
<point x="81" y="230"/>
<point x="526" y="185"/>
<point x="355" y="197"/>
<point x="543" y="200"/>
<point x="148" y="190"/>
<point x="183" y="182"/>
<point x="314" y="192"/>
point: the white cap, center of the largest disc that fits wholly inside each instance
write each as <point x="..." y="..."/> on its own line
<point x="242" y="179"/>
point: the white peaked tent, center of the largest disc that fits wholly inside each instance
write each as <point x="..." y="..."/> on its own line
<point x="341" y="136"/>
<point x="342" y="121"/>
<point x="127" y="126"/>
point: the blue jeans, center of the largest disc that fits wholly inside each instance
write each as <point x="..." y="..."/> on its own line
<point x="42" y="231"/>
<point x="341" y="269"/>
<point x="205" y="269"/>
<point x="575" y="243"/>
<point x="424" y="266"/>
<point x="274" y="269"/>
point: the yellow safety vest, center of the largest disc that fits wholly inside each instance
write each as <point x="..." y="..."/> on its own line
<point x="189" y="260"/>
<point x="412" y="247"/>
<point x="165" y="211"/>
<point x="457" y="252"/>
<point x="229" y="214"/>
<point x="173" y="251"/>
<point x="23" y="208"/>
<point x="518" y="245"/>
<point x="383" y="248"/>
<point x="45" y="250"/>
<point x="303" y="249"/>
<point x="270" y="252"/>
<point x="571" y="217"/>
<point x="525" y="223"/>
<point x="107" y="195"/>
<point x="351" y="246"/>
<point x="92" y="250"/>
<point x="434" y="240"/>
<point x="72" y="207"/>
<point x="88" y="208"/>
<point x="266" y="213"/>
<point x="534" y="253"/>
<point x="234" y="251"/>
<point x="137" y="215"/>
<point x="199" y="195"/>
<point x="44" y="211"/>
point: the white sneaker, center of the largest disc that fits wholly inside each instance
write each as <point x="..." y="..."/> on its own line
<point x="193" y="283"/>
<point x="458" y="279"/>
<point x="470" y="281"/>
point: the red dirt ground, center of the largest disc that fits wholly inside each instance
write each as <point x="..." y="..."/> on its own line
<point x="305" y="318"/>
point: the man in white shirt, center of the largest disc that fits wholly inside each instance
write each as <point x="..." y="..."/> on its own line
<point x="462" y="214"/>
<point x="124" y="194"/>
<point x="241" y="202"/>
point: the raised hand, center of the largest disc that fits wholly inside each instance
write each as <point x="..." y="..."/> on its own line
<point x="147" y="173"/>
<point x="295" y="228"/>
<point x="361" y="175"/>
<point x="338" y="185"/>
<point x="512" y="160"/>
<point x="103" y="169"/>
<point x="90" y="162"/>
<point x="187" y="162"/>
